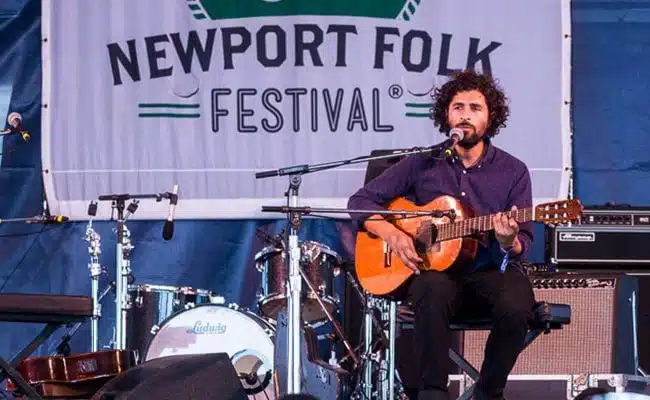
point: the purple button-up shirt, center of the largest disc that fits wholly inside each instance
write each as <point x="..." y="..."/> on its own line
<point x="495" y="183"/>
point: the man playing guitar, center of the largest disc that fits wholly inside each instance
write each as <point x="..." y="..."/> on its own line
<point x="489" y="181"/>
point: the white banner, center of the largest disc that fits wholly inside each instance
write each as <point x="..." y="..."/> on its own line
<point x="142" y="95"/>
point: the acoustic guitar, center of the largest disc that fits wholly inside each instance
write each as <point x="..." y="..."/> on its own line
<point x="443" y="243"/>
<point x="76" y="375"/>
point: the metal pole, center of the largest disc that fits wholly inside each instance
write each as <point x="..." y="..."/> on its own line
<point x="392" y="318"/>
<point x="295" y="288"/>
<point x="94" y="249"/>
<point x="367" y="345"/>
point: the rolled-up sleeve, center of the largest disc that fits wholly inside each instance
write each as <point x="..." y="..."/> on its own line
<point x="521" y="196"/>
<point x="374" y="195"/>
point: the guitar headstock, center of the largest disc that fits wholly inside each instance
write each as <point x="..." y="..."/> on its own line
<point x="558" y="212"/>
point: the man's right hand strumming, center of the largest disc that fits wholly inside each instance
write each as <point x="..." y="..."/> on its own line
<point x="397" y="241"/>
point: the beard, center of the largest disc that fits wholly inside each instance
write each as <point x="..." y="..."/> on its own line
<point x="471" y="138"/>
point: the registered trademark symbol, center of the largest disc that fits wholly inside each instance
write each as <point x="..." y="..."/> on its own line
<point x="395" y="91"/>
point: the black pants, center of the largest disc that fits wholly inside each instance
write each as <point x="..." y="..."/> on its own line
<point x="437" y="296"/>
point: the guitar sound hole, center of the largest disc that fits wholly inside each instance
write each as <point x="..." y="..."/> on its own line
<point x="426" y="239"/>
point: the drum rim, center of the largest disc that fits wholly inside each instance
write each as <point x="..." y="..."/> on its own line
<point x="152" y="287"/>
<point x="267" y="250"/>
<point x="325" y="249"/>
<point x="322" y="247"/>
<point x="326" y="299"/>
<point x="245" y="311"/>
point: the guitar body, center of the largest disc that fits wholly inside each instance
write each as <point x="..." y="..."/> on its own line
<point x="381" y="271"/>
<point x="75" y="375"/>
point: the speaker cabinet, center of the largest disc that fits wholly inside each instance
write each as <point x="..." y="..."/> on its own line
<point x="599" y="339"/>
<point x="195" y="377"/>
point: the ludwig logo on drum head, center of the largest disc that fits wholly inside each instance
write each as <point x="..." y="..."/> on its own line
<point x="204" y="327"/>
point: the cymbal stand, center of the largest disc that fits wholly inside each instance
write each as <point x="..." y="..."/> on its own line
<point x="122" y="273"/>
<point x="95" y="268"/>
<point x="124" y="247"/>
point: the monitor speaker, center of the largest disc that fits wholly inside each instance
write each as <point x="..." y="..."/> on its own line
<point x="195" y="377"/>
<point x="599" y="339"/>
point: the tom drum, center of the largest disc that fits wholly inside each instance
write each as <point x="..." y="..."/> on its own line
<point x="320" y="265"/>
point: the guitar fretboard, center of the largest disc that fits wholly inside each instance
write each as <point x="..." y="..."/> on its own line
<point x="467" y="227"/>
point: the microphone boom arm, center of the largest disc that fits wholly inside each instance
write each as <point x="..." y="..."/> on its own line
<point x="450" y="213"/>
<point x="306" y="168"/>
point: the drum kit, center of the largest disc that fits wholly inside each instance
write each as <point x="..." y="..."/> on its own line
<point x="157" y="320"/>
<point x="164" y="320"/>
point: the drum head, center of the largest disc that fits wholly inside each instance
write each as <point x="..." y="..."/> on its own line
<point x="209" y="328"/>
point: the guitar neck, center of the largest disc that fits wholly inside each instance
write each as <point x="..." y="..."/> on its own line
<point x="467" y="227"/>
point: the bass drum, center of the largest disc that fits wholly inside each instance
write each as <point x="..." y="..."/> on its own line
<point x="210" y="328"/>
<point x="152" y="304"/>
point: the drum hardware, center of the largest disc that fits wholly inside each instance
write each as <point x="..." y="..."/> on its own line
<point x="276" y="240"/>
<point x="372" y="354"/>
<point x="379" y="354"/>
<point x="124" y="247"/>
<point x="95" y="268"/>
<point x="337" y="328"/>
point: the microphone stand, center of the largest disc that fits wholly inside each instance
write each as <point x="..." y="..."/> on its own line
<point x="123" y="258"/>
<point x="294" y="216"/>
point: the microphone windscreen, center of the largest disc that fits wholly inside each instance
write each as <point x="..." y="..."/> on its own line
<point x="168" y="230"/>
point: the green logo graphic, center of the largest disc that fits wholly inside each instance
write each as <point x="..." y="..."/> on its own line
<point x="169" y="110"/>
<point x="224" y="9"/>
<point x="418" y="110"/>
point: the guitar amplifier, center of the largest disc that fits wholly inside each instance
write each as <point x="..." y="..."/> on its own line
<point x="598" y="245"/>
<point x="599" y="339"/>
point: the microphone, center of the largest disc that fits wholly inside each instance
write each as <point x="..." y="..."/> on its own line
<point x="456" y="135"/>
<point x="168" y="229"/>
<point x="49" y="219"/>
<point x="15" y="121"/>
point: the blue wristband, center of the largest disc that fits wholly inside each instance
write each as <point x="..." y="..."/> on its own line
<point x="506" y="254"/>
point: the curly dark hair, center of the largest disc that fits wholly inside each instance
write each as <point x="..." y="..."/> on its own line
<point x="496" y="100"/>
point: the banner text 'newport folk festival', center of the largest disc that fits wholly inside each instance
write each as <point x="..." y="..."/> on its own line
<point x="413" y="47"/>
